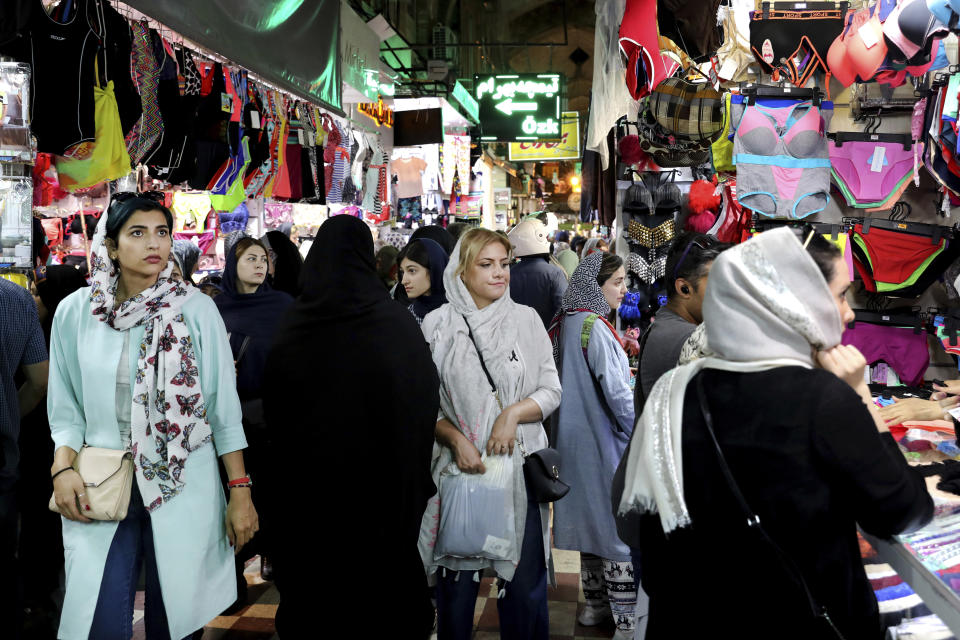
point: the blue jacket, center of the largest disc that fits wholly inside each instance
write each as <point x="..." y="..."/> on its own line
<point x="540" y="284"/>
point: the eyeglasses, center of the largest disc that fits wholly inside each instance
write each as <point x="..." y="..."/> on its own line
<point x="695" y="242"/>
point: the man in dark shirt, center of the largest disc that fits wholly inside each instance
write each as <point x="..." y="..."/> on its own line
<point x="22" y="346"/>
<point x="688" y="265"/>
<point x="534" y="280"/>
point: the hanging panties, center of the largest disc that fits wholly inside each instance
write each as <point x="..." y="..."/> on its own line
<point x="900" y="348"/>
<point x="276" y="214"/>
<point x="870" y="174"/>
<point x="191" y="211"/>
<point x="795" y="42"/>
<point x="235" y="220"/>
<point x="899" y="264"/>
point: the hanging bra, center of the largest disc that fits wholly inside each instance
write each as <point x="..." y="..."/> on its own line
<point x="648" y="270"/>
<point x="734" y="54"/>
<point x="651" y="237"/>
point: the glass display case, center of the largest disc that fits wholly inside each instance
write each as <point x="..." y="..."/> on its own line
<point x="929" y="561"/>
<point x="16" y="219"/>
<point x="15" y="140"/>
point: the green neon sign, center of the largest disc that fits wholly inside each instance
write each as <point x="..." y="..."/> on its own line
<point x="519" y="106"/>
<point x="466" y="101"/>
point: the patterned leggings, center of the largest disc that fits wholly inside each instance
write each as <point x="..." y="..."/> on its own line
<point x="614" y="578"/>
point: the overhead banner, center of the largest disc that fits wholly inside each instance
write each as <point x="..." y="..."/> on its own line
<point x="566" y="148"/>
<point x="519" y="106"/>
<point x="294" y="44"/>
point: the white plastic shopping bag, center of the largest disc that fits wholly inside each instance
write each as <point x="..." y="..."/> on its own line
<point x="477" y="512"/>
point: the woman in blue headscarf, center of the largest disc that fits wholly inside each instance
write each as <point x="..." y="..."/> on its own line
<point x="421" y="275"/>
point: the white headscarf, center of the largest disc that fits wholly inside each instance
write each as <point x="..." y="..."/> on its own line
<point x="767" y="305"/>
<point x="466" y="399"/>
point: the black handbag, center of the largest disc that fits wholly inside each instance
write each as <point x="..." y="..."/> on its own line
<point x="541" y="469"/>
<point x="825" y="626"/>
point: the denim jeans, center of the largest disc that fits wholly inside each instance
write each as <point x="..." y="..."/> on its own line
<point x="132" y="547"/>
<point x="522" y="610"/>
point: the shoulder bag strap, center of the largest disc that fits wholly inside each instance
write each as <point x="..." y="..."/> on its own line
<point x="585" y="333"/>
<point x="753" y="520"/>
<point x="243" y="349"/>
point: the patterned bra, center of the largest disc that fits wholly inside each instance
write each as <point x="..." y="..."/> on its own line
<point x="650" y="237"/>
<point x="648" y="270"/>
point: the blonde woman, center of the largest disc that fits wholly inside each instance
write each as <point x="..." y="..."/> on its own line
<point x="481" y="321"/>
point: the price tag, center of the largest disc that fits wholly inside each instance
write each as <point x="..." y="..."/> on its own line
<point x="301" y="138"/>
<point x="876" y="165"/>
<point x="496" y="546"/>
<point x="727" y="69"/>
<point x="226" y="103"/>
<point x="955" y="412"/>
<point x="254" y="119"/>
<point x="868" y="35"/>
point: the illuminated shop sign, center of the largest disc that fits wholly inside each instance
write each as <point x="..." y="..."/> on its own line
<point x="519" y="107"/>
<point x="378" y="112"/>
<point x="566" y="148"/>
<point x="466" y="101"/>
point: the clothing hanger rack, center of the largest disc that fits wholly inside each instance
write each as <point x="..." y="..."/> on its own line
<point x="915" y="318"/>
<point x="752" y="91"/>
<point x="831" y="229"/>
<point x="840" y="137"/>
<point x="935" y="232"/>
<point x="765" y="7"/>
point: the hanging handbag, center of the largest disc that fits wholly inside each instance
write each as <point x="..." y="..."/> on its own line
<point x="541" y="469"/>
<point x="826" y="627"/>
<point x="107" y="476"/>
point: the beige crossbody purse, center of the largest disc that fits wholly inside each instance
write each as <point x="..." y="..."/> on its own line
<point x="107" y="476"/>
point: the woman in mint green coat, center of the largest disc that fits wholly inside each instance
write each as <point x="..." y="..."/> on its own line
<point x="140" y="362"/>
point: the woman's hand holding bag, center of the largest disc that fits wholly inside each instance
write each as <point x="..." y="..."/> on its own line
<point x="69" y="494"/>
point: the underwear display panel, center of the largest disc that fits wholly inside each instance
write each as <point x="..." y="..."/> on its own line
<point x="778" y="38"/>
<point x="870" y="173"/>
<point x="783" y="164"/>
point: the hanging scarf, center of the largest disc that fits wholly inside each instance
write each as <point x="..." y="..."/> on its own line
<point x="583" y="294"/>
<point x="163" y="436"/>
<point x="767" y="306"/>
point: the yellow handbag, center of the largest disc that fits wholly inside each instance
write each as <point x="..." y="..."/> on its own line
<point x="108" y="479"/>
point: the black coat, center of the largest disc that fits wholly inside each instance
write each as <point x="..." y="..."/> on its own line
<point x="808" y="458"/>
<point x="351" y="398"/>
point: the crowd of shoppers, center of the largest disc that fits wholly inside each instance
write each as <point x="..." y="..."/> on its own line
<point x="387" y="446"/>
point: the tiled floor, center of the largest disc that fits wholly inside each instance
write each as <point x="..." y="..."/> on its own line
<point x="256" y="621"/>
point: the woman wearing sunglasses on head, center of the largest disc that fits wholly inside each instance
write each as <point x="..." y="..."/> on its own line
<point x="141" y="363"/>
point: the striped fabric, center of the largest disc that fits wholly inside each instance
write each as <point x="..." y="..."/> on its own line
<point x="149" y="128"/>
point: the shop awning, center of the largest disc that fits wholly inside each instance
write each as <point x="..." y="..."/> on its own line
<point x="292" y="43"/>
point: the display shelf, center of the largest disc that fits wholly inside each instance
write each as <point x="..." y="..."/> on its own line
<point x="921" y="574"/>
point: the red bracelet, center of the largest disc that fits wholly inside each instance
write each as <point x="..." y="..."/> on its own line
<point x="245" y="481"/>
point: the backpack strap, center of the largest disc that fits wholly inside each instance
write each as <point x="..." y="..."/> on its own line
<point x="585" y="332"/>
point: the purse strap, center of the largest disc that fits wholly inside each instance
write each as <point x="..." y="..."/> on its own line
<point x="753" y="520"/>
<point x="243" y="349"/>
<point x="493" y="386"/>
